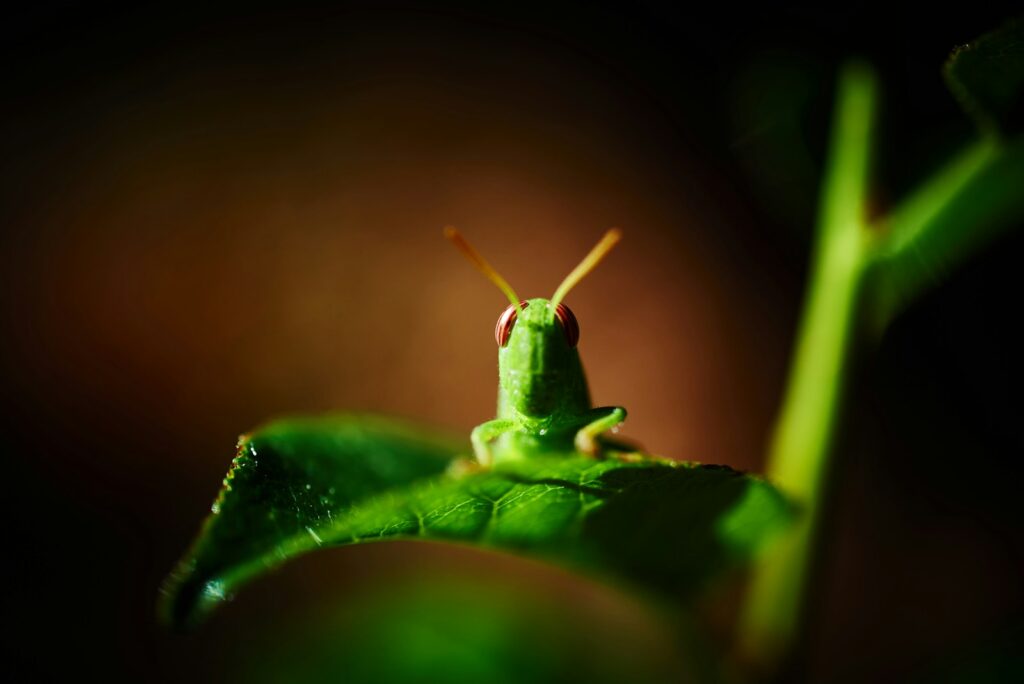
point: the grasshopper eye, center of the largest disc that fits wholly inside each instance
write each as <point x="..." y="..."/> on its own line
<point x="503" y="328"/>
<point x="569" y="325"/>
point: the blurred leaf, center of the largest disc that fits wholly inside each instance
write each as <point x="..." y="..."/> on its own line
<point x="659" y="525"/>
<point x="987" y="76"/>
<point x="452" y="630"/>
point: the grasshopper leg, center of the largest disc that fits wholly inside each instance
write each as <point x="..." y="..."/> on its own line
<point x="607" y="418"/>
<point x="484" y="434"/>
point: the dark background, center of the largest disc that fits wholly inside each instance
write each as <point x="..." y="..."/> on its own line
<point x="212" y="216"/>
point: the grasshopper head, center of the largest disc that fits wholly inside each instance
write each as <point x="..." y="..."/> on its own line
<point x="537" y="356"/>
<point x="539" y="367"/>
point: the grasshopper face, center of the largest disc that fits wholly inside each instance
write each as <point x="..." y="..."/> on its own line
<point x="538" y="366"/>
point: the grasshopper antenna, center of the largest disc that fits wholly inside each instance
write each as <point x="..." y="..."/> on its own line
<point x="588" y="264"/>
<point x="482" y="265"/>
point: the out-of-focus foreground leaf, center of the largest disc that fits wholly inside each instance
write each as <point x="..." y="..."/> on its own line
<point x="466" y="629"/>
<point x="987" y="77"/>
<point x="297" y="486"/>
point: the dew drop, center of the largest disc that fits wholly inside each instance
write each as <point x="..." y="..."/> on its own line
<point x="214" y="590"/>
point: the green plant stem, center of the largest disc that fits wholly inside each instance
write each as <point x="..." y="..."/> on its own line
<point x="798" y="458"/>
<point x="865" y="272"/>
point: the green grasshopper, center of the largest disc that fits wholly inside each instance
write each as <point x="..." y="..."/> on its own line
<point x="543" y="398"/>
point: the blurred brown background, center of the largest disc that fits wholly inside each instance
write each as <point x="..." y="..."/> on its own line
<point x="211" y="218"/>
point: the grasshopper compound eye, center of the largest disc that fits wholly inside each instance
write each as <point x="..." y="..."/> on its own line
<point x="503" y="328"/>
<point x="569" y="325"/>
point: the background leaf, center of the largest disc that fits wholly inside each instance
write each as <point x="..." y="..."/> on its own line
<point x="655" y="524"/>
<point x="987" y="76"/>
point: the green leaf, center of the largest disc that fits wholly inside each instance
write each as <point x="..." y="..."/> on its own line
<point x="987" y="77"/>
<point x="289" y="479"/>
<point x="465" y="630"/>
<point x="655" y="524"/>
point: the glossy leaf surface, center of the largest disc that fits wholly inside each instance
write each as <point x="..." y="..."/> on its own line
<point x="299" y="485"/>
<point x="289" y="480"/>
